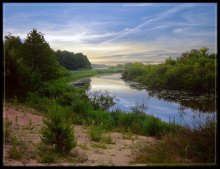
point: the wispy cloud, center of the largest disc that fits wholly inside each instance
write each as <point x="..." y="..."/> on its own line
<point x="140" y="5"/>
<point x="118" y="33"/>
<point x="157" y="17"/>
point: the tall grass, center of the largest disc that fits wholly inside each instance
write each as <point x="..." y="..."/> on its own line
<point x="185" y="146"/>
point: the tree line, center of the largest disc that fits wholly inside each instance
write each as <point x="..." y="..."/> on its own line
<point x="72" y="61"/>
<point x="192" y="71"/>
<point x="29" y="64"/>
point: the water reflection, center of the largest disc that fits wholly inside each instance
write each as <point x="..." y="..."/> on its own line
<point x="183" y="108"/>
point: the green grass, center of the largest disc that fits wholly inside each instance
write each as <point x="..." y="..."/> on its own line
<point x="100" y="145"/>
<point x="107" y="139"/>
<point x="184" y="146"/>
<point x="83" y="146"/>
<point x="18" y="148"/>
<point x="96" y="133"/>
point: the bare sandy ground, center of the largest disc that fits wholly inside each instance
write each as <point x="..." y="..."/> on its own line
<point x="26" y="124"/>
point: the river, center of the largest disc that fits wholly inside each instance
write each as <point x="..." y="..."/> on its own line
<point x="126" y="96"/>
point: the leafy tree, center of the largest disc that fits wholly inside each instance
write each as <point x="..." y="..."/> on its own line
<point x="40" y="56"/>
<point x="73" y="61"/>
<point x="19" y="77"/>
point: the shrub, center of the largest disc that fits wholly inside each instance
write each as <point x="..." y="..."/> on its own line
<point x="38" y="102"/>
<point x="100" y="118"/>
<point x="58" y="130"/>
<point x="185" y="145"/>
<point x="96" y="133"/>
<point x="18" y="149"/>
<point x="107" y="139"/>
<point x="101" y="100"/>
<point x="15" y="153"/>
<point x="81" y="106"/>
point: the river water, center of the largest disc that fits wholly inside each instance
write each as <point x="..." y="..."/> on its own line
<point x="126" y="96"/>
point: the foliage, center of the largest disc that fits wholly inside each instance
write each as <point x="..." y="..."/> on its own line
<point x="58" y="130"/>
<point x="96" y="133"/>
<point x="186" y="145"/>
<point x="139" y="122"/>
<point x="19" y="76"/>
<point x="107" y="139"/>
<point x="101" y="100"/>
<point x="192" y="71"/>
<point x="28" y="64"/>
<point x="18" y="148"/>
<point x="7" y="130"/>
<point x="73" y="61"/>
<point x="100" y="118"/>
<point x="39" y="56"/>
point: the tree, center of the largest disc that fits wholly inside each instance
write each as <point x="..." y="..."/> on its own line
<point x="58" y="130"/>
<point x="40" y="56"/>
<point x="19" y="77"/>
<point x="73" y="61"/>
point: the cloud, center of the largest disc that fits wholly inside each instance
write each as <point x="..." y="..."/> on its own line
<point x="134" y="35"/>
<point x="157" y="17"/>
<point x="140" y="5"/>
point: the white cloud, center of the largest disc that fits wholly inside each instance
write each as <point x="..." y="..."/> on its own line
<point x="157" y="17"/>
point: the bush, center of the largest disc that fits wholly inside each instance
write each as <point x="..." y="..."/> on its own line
<point x="185" y="145"/>
<point x="96" y="133"/>
<point x="38" y="102"/>
<point x="58" y="130"/>
<point x="101" y="100"/>
<point x="81" y="106"/>
<point x="18" y="149"/>
<point x="100" y="118"/>
<point x="107" y="139"/>
<point x="15" y="153"/>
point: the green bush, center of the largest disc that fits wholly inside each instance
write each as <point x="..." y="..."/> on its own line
<point x="101" y="100"/>
<point x="15" y="153"/>
<point x="96" y="133"/>
<point x="192" y="71"/>
<point x="100" y="118"/>
<point x="184" y="145"/>
<point x="107" y="139"/>
<point x="81" y="106"/>
<point x="38" y="102"/>
<point x="58" y="130"/>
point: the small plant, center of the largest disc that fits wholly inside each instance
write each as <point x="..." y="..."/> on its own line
<point x="15" y="100"/>
<point x="15" y="153"/>
<point x="48" y="158"/>
<point x="128" y="135"/>
<point x="18" y="149"/>
<point x="107" y="140"/>
<point x="100" y="145"/>
<point x="7" y="130"/>
<point x="96" y="132"/>
<point x="83" y="146"/>
<point x="58" y="130"/>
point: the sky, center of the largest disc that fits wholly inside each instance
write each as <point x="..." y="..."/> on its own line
<point x="117" y="33"/>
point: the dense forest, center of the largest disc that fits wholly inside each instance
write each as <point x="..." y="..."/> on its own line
<point x="192" y="71"/>
<point x="29" y="65"/>
<point x="73" y="61"/>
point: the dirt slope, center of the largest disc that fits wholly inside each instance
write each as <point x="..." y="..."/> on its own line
<point x="26" y="124"/>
